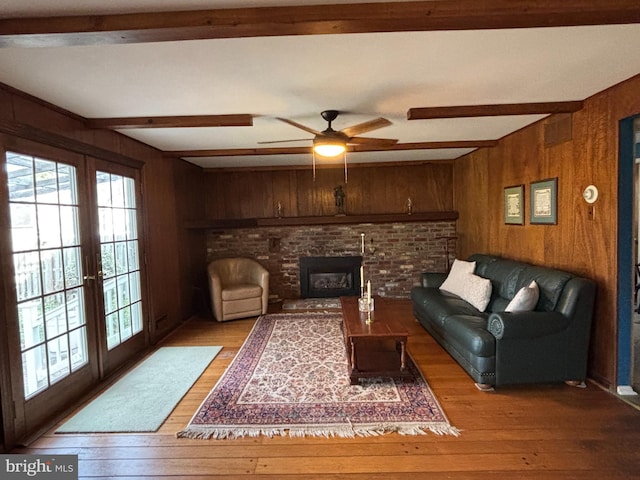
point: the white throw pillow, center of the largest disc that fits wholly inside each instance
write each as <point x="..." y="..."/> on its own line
<point x="455" y="279"/>
<point x="525" y="300"/>
<point x="476" y="291"/>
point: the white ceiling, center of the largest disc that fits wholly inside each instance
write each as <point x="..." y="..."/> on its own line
<point x="363" y="75"/>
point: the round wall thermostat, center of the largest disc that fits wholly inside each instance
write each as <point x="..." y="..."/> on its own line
<point x="590" y="194"/>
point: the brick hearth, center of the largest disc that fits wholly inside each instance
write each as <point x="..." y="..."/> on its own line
<point x="402" y="251"/>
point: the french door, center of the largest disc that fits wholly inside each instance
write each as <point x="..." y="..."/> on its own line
<point x="118" y="271"/>
<point x="72" y="274"/>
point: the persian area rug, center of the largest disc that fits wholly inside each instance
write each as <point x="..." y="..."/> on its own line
<point x="143" y="399"/>
<point x="290" y="377"/>
<point x="312" y="304"/>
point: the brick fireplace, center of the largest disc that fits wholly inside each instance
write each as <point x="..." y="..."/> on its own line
<point x="396" y="253"/>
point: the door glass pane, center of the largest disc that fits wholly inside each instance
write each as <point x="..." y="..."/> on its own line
<point x="106" y="224"/>
<point x="52" y="270"/>
<point x="72" y="267"/>
<point x="120" y="263"/>
<point x="26" y="267"/>
<point x="46" y="181"/>
<point x="24" y="230"/>
<point x="30" y="323"/>
<point x="34" y="370"/>
<point x="125" y="323"/>
<point x="49" y="226"/>
<point x="67" y="184"/>
<point x="134" y="283"/>
<point x="136" y="316"/>
<point x="113" y="331"/>
<point x="121" y="258"/>
<point x="69" y="224"/>
<point x="75" y="308"/>
<point x="21" y="178"/>
<point x="55" y="314"/>
<point x="58" y="358"/>
<point x="43" y="202"/>
<point x="132" y="257"/>
<point x="78" y="348"/>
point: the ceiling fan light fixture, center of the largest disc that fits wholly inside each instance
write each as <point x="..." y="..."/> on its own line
<point x="332" y="149"/>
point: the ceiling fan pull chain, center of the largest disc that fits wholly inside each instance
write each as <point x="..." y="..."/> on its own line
<point x="313" y="152"/>
<point x="345" y="166"/>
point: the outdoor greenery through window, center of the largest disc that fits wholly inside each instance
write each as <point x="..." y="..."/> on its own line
<point x="47" y="259"/>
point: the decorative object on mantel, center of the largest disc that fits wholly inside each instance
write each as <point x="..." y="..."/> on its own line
<point x="259" y="394"/>
<point x="279" y="210"/>
<point x="544" y="202"/>
<point x="409" y="206"/>
<point x="339" y="196"/>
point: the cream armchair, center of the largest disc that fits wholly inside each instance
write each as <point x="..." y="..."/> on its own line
<point x="239" y="288"/>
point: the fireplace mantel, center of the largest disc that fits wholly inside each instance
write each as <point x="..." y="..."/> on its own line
<point x="323" y="220"/>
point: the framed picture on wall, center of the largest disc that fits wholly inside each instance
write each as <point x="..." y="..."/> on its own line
<point x="544" y="201"/>
<point x="514" y="205"/>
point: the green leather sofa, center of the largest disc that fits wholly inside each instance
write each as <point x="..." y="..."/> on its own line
<point x="548" y="344"/>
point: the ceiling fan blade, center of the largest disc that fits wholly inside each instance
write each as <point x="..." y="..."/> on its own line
<point x="286" y="141"/>
<point x="366" y="127"/>
<point x="298" y="125"/>
<point x="373" y="142"/>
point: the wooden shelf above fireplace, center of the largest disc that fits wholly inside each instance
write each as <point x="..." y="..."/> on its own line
<point x="323" y="220"/>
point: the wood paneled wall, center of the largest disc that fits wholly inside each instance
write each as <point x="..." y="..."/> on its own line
<point x="381" y="189"/>
<point x="579" y="243"/>
<point x="192" y="251"/>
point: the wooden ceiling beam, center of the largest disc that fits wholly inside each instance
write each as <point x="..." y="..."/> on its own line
<point x="493" y="110"/>
<point x="405" y="16"/>
<point x="240" y="120"/>
<point x="238" y="152"/>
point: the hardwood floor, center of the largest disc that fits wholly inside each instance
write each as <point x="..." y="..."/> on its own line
<point x="527" y="432"/>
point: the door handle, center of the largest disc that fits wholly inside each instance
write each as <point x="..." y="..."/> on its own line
<point x="86" y="269"/>
<point x="99" y="264"/>
<point x="86" y="265"/>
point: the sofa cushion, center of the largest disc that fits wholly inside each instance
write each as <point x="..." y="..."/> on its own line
<point x="551" y="283"/>
<point x="525" y="300"/>
<point x="470" y="333"/>
<point x="244" y="306"/>
<point x="504" y="276"/>
<point x="482" y="260"/>
<point x="441" y="305"/>
<point x="453" y="282"/>
<point x="239" y="292"/>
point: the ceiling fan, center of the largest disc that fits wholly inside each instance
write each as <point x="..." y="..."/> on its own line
<point x="331" y="143"/>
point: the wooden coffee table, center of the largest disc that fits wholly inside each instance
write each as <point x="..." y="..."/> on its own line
<point x="378" y="349"/>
